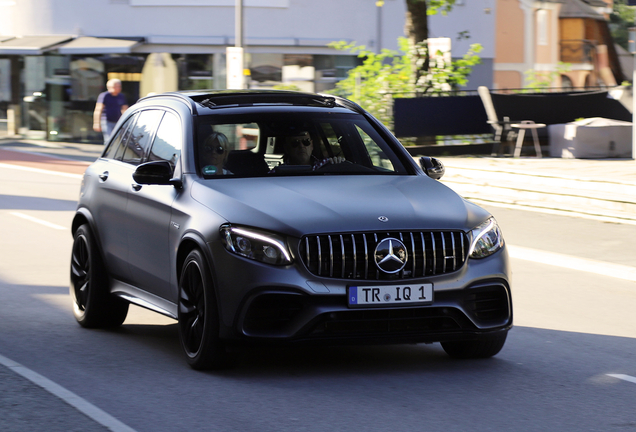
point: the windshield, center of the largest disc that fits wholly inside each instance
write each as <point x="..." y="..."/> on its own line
<point x="291" y="143"/>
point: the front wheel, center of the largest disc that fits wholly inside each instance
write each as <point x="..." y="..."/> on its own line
<point x="483" y="347"/>
<point x="198" y="316"/>
<point x="93" y="305"/>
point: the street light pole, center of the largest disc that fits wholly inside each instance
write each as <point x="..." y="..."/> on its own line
<point x="238" y="24"/>
<point x="234" y="55"/>
<point x="379" y="5"/>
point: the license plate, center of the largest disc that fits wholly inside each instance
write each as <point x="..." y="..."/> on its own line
<point x="393" y="295"/>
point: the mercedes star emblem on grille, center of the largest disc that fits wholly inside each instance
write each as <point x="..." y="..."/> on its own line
<point x="390" y="255"/>
<point x="383" y="219"/>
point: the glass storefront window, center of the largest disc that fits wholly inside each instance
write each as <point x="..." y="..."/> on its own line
<point x="196" y="71"/>
<point x="266" y="69"/>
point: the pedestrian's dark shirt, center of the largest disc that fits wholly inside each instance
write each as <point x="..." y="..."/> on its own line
<point x="112" y="105"/>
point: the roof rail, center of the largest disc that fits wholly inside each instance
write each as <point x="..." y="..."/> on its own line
<point x="347" y="103"/>
<point x="180" y="96"/>
<point x="247" y="97"/>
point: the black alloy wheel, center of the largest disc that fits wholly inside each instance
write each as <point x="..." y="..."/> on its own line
<point x="93" y="305"/>
<point x="198" y="316"/>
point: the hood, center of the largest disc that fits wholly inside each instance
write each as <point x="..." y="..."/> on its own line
<point x="330" y="204"/>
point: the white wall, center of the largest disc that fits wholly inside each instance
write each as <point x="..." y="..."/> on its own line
<point x="321" y="20"/>
<point x="476" y="16"/>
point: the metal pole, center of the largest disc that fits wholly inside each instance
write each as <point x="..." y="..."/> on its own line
<point x="238" y="24"/>
<point x="379" y="5"/>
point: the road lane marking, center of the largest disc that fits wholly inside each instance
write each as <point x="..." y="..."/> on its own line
<point x="618" y="271"/>
<point x="41" y="171"/>
<point x="628" y="378"/>
<point x="559" y="212"/>
<point x="67" y="396"/>
<point x="40" y="221"/>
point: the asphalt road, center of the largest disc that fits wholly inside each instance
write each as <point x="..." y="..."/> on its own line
<point x="572" y="329"/>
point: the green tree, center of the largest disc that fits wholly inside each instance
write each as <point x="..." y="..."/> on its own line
<point x="417" y="12"/>
<point x="537" y="80"/>
<point x="621" y="19"/>
<point x="389" y="74"/>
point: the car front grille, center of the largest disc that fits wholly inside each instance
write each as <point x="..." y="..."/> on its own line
<point x="352" y="256"/>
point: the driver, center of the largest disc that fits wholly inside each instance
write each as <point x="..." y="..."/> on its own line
<point x="299" y="150"/>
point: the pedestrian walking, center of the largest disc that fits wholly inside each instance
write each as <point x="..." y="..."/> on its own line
<point x="110" y="105"/>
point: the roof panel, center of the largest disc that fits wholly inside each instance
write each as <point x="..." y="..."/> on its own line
<point x="31" y="45"/>
<point x="93" y="45"/>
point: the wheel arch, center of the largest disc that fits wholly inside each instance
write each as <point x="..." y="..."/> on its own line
<point x="189" y="242"/>
<point x="84" y="216"/>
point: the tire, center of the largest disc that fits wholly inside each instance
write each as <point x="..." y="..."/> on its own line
<point x="483" y="347"/>
<point x="198" y="316"/>
<point x="93" y="305"/>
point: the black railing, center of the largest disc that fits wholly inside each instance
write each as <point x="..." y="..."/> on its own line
<point x="578" y="51"/>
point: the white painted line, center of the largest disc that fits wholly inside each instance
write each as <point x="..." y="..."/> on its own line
<point x="618" y="271"/>
<point x="40" y="221"/>
<point x="41" y="171"/>
<point x="558" y="212"/>
<point x="67" y="396"/>
<point x="628" y="378"/>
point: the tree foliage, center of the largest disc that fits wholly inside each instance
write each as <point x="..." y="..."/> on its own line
<point x="537" y="80"/>
<point x="389" y="74"/>
<point x="621" y="19"/>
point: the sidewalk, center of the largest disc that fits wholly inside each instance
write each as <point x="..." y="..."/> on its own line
<point x="599" y="188"/>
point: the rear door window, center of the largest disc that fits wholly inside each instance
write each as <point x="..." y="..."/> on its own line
<point x="141" y="136"/>
<point x="120" y="139"/>
<point x="168" y="141"/>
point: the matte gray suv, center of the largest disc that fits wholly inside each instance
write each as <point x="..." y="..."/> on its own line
<point x="282" y="217"/>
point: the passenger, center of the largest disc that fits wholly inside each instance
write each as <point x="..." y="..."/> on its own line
<point x="299" y="150"/>
<point x="213" y="154"/>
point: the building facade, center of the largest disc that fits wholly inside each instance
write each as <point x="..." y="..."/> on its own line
<point x="56" y="55"/>
<point x="566" y="42"/>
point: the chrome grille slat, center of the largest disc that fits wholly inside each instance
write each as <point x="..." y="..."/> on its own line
<point x="454" y="254"/>
<point x="423" y="255"/>
<point x="319" y="255"/>
<point x="330" y="256"/>
<point x="355" y="256"/>
<point x="434" y="253"/>
<point x="366" y="257"/>
<point x="342" y="273"/>
<point x="375" y="238"/>
<point x="427" y="256"/>
<point x="401" y="271"/>
<point x="414" y="260"/>
<point x="443" y="253"/>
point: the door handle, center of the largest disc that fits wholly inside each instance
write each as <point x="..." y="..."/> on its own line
<point x="103" y="176"/>
<point x="136" y="187"/>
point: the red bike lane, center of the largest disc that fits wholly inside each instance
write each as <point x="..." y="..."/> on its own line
<point x="40" y="161"/>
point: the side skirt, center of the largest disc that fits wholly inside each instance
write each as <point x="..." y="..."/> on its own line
<point x="143" y="298"/>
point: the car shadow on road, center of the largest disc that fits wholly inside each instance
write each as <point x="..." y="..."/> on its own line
<point x="308" y="361"/>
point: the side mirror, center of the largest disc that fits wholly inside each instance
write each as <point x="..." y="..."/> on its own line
<point x="433" y="167"/>
<point x="156" y="172"/>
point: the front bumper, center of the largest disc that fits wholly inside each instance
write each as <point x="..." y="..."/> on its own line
<point x="263" y="303"/>
<point x="292" y="316"/>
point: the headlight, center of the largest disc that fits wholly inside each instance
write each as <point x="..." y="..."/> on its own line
<point x="486" y="239"/>
<point x="257" y="245"/>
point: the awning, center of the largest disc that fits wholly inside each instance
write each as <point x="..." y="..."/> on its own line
<point x="31" y="45"/>
<point x="92" y="45"/>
